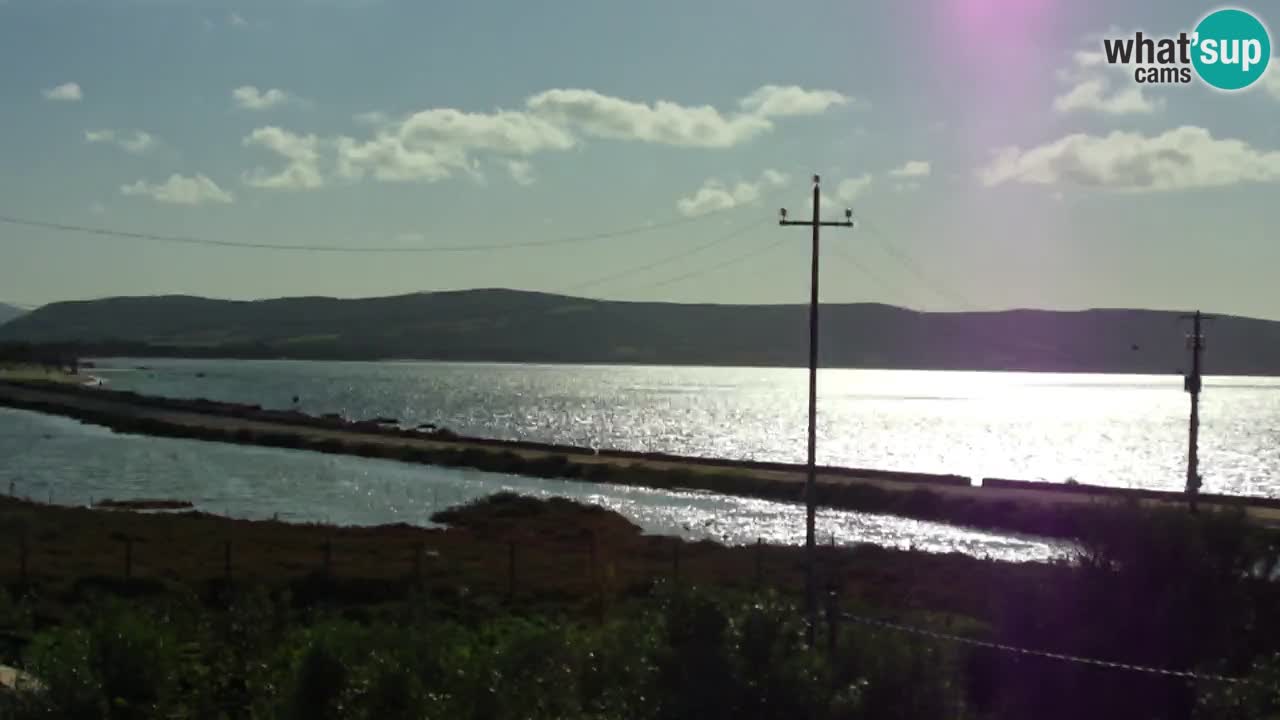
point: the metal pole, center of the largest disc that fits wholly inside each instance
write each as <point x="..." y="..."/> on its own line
<point x="1192" y="384"/>
<point x="811" y="471"/>
<point x="1193" y="441"/>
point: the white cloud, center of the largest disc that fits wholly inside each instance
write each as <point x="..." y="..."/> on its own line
<point x="1095" y="94"/>
<point x="388" y="159"/>
<point x="67" y="92"/>
<point x="248" y="97"/>
<point x="774" y="177"/>
<point x="715" y="195"/>
<point x="1183" y="158"/>
<point x="137" y="143"/>
<point x="180" y="190"/>
<point x="437" y="143"/>
<point x="236" y="20"/>
<point x="1093" y="88"/>
<point x="803" y="208"/>
<point x="663" y="122"/>
<point x="852" y="188"/>
<point x="302" y="172"/>
<point x="780" y="101"/>
<point x="1088" y="58"/>
<point x="1271" y="79"/>
<point x="521" y="171"/>
<point x="912" y="168"/>
<point x="505" y="132"/>
<point x="906" y="187"/>
<point x="373" y="117"/>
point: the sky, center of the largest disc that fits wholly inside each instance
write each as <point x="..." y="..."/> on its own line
<point x="640" y="151"/>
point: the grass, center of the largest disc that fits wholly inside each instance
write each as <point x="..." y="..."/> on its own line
<point x="565" y="554"/>
<point x="602" y="622"/>
<point x="681" y="654"/>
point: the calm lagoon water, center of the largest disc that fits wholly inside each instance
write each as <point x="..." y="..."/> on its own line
<point x="1129" y="431"/>
<point x="1115" y="430"/>
<point x="52" y="458"/>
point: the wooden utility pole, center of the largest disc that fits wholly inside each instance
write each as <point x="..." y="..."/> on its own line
<point x="1192" y="384"/>
<point x="810" y="486"/>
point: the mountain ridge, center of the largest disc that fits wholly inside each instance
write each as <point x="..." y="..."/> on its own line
<point x="9" y="312"/>
<point x="501" y="325"/>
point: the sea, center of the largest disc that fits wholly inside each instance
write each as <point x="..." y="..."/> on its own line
<point x="1128" y="431"/>
<point x="1119" y="430"/>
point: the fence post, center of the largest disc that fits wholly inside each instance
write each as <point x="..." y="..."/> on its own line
<point x="675" y="561"/>
<point x="597" y="580"/>
<point x="592" y="546"/>
<point x="759" y="563"/>
<point x="128" y="557"/>
<point x="511" y="569"/>
<point x="22" y="557"/>
<point x="417" y="563"/>
<point x="328" y="557"/>
<point x="833" y="619"/>
<point x="226" y="559"/>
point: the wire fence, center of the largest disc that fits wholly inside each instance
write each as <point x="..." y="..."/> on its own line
<point x="510" y="569"/>
<point x="1075" y="659"/>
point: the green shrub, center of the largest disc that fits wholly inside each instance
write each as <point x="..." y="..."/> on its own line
<point x="123" y="664"/>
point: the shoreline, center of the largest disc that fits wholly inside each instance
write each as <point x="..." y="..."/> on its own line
<point x="567" y="555"/>
<point x="922" y="367"/>
<point x="1031" y="508"/>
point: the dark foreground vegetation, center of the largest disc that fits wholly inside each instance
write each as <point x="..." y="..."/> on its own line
<point x="547" y="609"/>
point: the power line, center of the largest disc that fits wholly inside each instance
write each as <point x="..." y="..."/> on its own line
<point x="741" y="230"/>
<point x="866" y="272"/>
<point x="1076" y="659"/>
<point x="385" y="249"/>
<point x="713" y="268"/>
<point x="938" y="288"/>
<point x="947" y="292"/>
<point x="737" y="232"/>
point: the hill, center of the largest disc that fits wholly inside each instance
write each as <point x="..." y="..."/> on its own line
<point x="9" y="312"/>
<point x="514" y="326"/>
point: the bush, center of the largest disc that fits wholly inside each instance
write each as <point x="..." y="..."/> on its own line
<point x="1160" y="588"/>
<point x="122" y="664"/>
<point x="1260" y="698"/>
